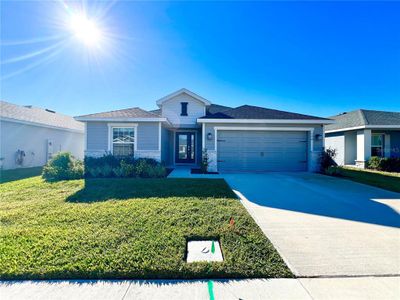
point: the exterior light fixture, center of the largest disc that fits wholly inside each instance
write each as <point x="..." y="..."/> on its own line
<point x="209" y="136"/>
<point x="318" y="137"/>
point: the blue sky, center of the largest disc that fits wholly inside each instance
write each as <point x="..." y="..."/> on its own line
<point x="318" y="58"/>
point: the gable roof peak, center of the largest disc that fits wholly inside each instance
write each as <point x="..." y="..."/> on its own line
<point x="183" y="91"/>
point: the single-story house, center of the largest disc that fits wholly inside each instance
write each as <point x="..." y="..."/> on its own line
<point x="244" y="138"/>
<point x="29" y="135"/>
<point x="360" y="134"/>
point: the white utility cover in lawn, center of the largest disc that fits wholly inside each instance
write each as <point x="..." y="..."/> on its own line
<point x="202" y="251"/>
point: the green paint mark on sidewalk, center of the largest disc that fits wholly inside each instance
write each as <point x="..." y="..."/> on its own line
<point x="210" y="289"/>
<point x="212" y="247"/>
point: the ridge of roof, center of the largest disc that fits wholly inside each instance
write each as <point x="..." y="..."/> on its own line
<point x="38" y="116"/>
<point x="247" y="111"/>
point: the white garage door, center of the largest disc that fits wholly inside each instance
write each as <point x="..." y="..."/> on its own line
<point x="260" y="151"/>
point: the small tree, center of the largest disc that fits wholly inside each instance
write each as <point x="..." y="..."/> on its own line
<point x="327" y="159"/>
<point x="205" y="161"/>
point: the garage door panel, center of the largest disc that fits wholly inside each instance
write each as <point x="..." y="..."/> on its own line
<point x="262" y="151"/>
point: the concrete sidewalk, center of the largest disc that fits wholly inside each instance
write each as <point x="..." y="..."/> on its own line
<point x="308" y="288"/>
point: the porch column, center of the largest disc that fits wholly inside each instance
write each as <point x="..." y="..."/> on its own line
<point x="363" y="147"/>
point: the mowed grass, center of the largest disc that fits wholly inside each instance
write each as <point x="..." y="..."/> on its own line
<point x="17" y="174"/>
<point x="127" y="228"/>
<point x="385" y="180"/>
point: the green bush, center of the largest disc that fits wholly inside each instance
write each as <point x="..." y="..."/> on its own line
<point x="111" y="166"/>
<point x="63" y="166"/>
<point x="384" y="164"/>
<point x="374" y="163"/>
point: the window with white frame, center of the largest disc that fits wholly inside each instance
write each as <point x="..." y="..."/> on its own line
<point x="377" y="145"/>
<point x="123" y="141"/>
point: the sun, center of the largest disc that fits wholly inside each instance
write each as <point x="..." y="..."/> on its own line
<point x="85" y="29"/>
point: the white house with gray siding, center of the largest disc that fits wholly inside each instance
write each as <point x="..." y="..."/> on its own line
<point x="242" y="139"/>
<point x="360" y="134"/>
<point x="29" y="136"/>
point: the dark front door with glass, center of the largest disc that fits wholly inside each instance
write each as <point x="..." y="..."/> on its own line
<point x="185" y="147"/>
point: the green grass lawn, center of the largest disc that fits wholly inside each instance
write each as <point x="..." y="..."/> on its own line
<point x="385" y="180"/>
<point x="127" y="228"/>
<point x="17" y="174"/>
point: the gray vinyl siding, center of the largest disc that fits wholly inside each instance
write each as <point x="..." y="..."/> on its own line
<point x="395" y="143"/>
<point x="165" y="146"/>
<point x="336" y="141"/>
<point x="97" y="136"/>
<point x="147" y="136"/>
<point x="350" y="149"/>
<point x="262" y="151"/>
<point x="209" y="128"/>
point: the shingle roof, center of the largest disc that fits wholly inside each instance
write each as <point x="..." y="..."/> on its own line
<point x="255" y="112"/>
<point x="134" y="112"/>
<point x="362" y="117"/>
<point x="39" y="116"/>
<point x="215" y="108"/>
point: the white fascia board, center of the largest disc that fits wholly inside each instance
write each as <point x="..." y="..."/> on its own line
<point x="41" y="125"/>
<point x="265" y="121"/>
<point x="266" y="128"/>
<point x="181" y="91"/>
<point x="120" y="119"/>
<point x="364" y="127"/>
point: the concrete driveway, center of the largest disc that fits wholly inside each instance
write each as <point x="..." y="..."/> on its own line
<point x="325" y="226"/>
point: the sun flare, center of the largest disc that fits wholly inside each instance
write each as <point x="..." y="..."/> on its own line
<point x="85" y="29"/>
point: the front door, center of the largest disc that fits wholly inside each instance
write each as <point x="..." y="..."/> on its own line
<point x="185" y="147"/>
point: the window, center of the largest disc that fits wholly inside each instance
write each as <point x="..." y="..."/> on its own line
<point x="184" y="106"/>
<point x="377" y="145"/>
<point x="123" y="141"/>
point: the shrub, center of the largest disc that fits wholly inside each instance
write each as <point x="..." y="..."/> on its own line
<point x="205" y="161"/>
<point x="333" y="171"/>
<point x="111" y="166"/>
<point x="63" y="166"/>
<point x="374" y="163"/>
<point x="327" y="159"/>
<point x="384" y="164"/>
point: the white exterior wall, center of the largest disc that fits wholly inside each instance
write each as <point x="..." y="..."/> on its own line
<point x="363" y="147"/>
<point x="337" y="142"/>
<point x="171" y="110"/>
<point x="32" y="139"/>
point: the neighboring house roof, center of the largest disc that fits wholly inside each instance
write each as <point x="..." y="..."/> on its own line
<point x="183" y="91"/>
<point x="38" y="116"/>
<point x="364" y="118"/>
<point x="255" y="112"/>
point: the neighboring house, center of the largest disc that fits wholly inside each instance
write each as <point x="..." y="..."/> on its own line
<point x="245" y="138"/>
<point x="360" y="134"/>
<point x="29" y="136"/>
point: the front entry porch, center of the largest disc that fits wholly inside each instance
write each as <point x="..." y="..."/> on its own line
<point x="182" y="147"/>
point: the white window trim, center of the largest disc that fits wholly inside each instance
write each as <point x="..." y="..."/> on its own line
<point x="121" y="125"/>
<point x="310" y="129"/>
<point x="379" y="146"/>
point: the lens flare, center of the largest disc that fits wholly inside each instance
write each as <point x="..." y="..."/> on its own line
<point x="86" y="30"/>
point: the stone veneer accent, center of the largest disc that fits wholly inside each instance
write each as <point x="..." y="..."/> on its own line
<point x="154" y="154"/>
